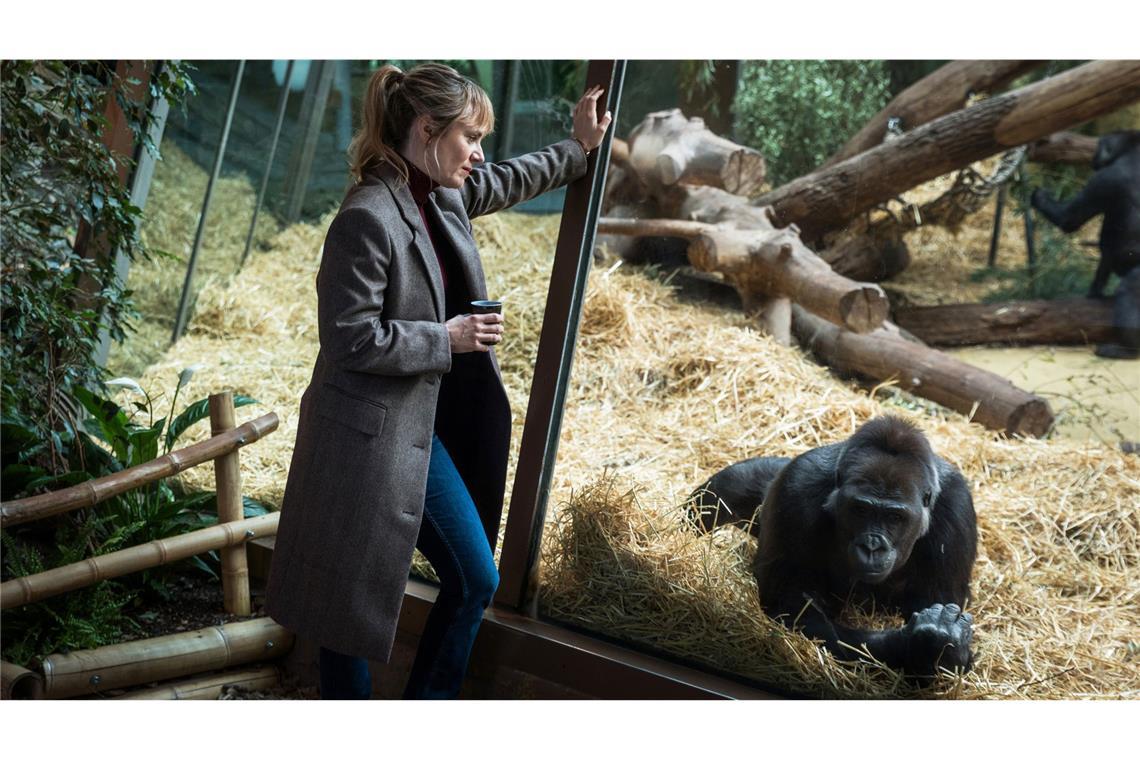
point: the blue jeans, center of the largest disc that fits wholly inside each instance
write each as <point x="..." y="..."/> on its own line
<point x="452" y="539"/>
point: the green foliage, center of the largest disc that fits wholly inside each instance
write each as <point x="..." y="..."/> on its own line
<point x="798" y="113"/>
<point x="58" y="181"/>
<point x="1061" y="268"/>
<point x="111" y="438"/>
<point x="81" y="619"/>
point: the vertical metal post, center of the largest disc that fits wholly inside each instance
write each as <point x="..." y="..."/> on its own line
<point x="1030" y="251"/>
<point x="518" y="566"/>
<point x="999" y="210"/>
<point x="507" y="135"/>
<point x="219" y="154"/>
<point x="282" y="101"/>
<point x="312" y="114"/>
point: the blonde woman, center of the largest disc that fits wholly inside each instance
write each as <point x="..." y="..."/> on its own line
<point x="404" y="428"/>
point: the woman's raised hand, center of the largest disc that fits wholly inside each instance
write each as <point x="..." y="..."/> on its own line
<point x="587" y="129"/>
<point x="474" y="332"/>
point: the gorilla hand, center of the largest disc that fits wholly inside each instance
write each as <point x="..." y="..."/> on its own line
<point x="939" y="634"/>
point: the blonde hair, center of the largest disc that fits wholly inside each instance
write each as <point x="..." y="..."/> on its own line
<point x="394" y="99"/>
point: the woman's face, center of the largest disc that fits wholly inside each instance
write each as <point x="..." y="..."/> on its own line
<point x="451" y="158"/>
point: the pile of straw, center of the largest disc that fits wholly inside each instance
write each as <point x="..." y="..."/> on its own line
<point x="664" y="393"/>
<point x="169" y="224"/>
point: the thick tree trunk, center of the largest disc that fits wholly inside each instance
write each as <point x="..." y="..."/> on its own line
<point x="1063" y="148"/>
<point x="1072" y="321"/>
<point x="667" y="149"/>
<point x="883" y="355"/>
<point x="828" y="198"/>
<point x="940" y="93"/>
<point x="766" y="264"/>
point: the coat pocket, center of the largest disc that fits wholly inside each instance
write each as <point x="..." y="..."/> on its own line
<point x="350" y="410"/>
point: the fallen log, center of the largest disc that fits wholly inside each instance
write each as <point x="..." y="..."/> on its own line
<point x="1063" y="148"/>
<point x="765" y="265"/>
<point x="667" y="149"/>
<point x="944" y="91"/>
<point x="883" y="354"/>
<point x="1074" y="321"/>
<point x="826" y="199"/>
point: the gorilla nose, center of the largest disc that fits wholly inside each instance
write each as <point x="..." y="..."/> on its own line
<point x="871" y="547"/>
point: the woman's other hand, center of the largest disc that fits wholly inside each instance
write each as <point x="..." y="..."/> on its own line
<point x="587" y="129"/>
<point x="474" y="332"/>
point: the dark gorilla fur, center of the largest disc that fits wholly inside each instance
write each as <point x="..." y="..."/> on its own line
<point x="1113" y="190"/>
<point x="877" y="518"/>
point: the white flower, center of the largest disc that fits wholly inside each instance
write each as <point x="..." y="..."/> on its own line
<point x="188" y="373"/>
<point x="126" y="382"/>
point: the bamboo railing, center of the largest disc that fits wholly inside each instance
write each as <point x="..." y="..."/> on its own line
<point x="175" y="656"/>
<point x="94" y="491"/>
<point x="168" y="656"/>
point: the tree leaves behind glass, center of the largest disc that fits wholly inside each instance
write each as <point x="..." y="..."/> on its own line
<point x="798" y="113"/>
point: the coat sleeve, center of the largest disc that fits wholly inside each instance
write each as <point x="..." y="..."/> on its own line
<point x="494" y="187"/>
<point x="351" y="286"/>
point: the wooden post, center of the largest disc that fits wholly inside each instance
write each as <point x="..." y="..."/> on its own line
<point x="227" y="476"/>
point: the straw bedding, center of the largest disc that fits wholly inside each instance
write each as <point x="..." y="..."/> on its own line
<point x="664" y="393"/>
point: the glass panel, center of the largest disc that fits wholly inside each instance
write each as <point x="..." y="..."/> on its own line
<point x="673" y="382"/>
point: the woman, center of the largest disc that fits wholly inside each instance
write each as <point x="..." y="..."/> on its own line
<point x="404" y="428"/>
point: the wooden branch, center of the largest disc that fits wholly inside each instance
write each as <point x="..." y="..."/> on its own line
<point x="94" y="491"/>
<point x="765" y="264"/>
<point x="227" y="484"/>
<point x="666" y="148"/>
<point x="828" y="198"/>
<point x="986" y="398"/>
<point x="1063" y="148"/>
<point x="943" y="91"/>
<point x="33" y="588"/>
<point x="777" y="264"/>
<point x="181" y="654"/>
<point x="1077" y="321"/>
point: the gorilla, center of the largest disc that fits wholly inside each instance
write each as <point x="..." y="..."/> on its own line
<point x="1113" y="190"/>
<point x="876" y="518"/>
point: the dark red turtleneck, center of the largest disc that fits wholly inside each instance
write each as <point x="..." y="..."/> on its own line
<point x="422" y="186"/>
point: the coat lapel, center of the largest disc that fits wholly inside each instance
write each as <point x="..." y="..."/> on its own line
<point x="462" y="243"/>
<point x="421" y="243"/>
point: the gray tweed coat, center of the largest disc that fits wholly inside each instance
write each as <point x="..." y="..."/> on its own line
<point x="355" y="491"/>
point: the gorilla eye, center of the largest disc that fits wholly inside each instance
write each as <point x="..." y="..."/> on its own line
<point x="926" y="499"/>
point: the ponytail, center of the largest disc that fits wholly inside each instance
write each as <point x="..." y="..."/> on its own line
<point x="394" y="99"/>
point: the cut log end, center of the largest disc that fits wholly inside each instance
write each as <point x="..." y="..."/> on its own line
<point x="864" y="309"/>
<point x="1033" y="418"/>
<point x="744" y="173"/>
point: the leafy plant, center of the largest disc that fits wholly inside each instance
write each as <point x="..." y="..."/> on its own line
<point x="112" y="438"/>
<point x="81" y="619"/>
<point x="59" y="185"/>
<point x="157" y="510"/>
<point x="1061" y="268"/>
<point x="798" y="113"/>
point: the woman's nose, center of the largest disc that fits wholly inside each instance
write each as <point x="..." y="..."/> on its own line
<point x="477" y="155"/>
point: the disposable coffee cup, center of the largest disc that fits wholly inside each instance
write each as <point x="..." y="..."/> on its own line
<point x="486" y="307"/>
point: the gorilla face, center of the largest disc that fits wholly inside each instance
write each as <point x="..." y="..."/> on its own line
<point x="882" y="508"/>
<point x="877" y="532"/>
<point x="1113" y="145"/>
